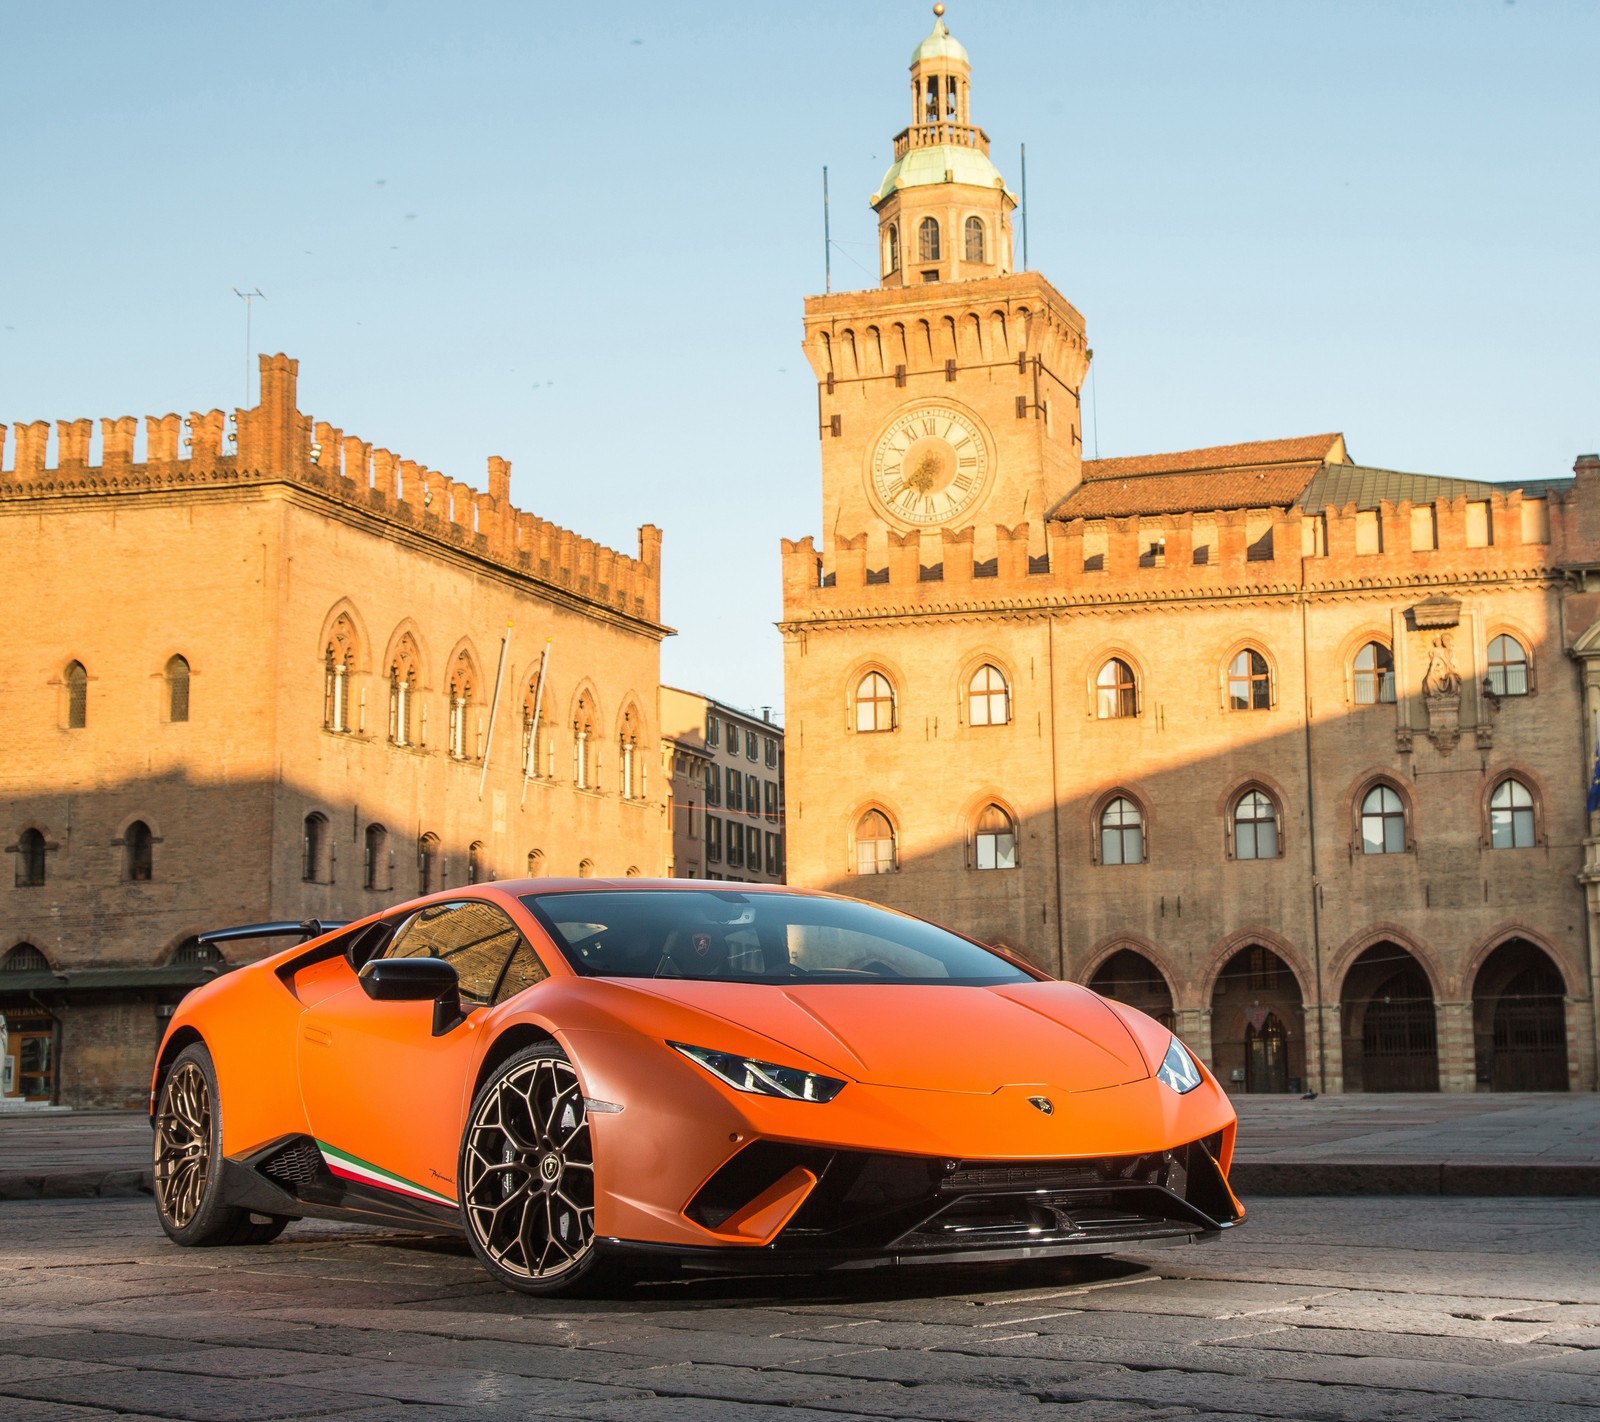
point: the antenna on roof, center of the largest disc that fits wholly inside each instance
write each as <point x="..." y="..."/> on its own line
<point x="247" y="297"/>
<point x="1024" y="207"/>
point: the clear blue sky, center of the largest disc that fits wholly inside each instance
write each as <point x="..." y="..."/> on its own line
<point x="579" y="236"/>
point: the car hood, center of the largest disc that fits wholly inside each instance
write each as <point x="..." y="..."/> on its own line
<point x="970" y="1039"/>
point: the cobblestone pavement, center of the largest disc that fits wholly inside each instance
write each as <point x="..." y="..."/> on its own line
<point x="1439" y="1310"/>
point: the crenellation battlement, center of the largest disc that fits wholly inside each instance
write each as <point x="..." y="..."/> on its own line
<point x="273" y="442"/>
<point x="1501" y="533"/>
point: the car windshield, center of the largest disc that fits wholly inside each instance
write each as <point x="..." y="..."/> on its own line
<point x="727" y="936"/>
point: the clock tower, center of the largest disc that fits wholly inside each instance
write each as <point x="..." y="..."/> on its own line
<point x="947" y="396"/>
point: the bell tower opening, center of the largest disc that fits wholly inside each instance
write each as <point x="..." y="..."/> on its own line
<point x="942" y="193"/>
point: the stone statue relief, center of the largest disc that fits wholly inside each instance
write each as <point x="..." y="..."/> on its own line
<point x="1441" y="677"/>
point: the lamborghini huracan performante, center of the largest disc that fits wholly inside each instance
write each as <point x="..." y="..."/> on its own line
<point x="589" y="1077"/>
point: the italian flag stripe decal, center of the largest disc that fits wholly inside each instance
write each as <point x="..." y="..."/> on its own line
<point x="350" y="1167"/>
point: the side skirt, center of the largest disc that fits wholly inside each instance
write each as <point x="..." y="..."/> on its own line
<point x="291" y="1177"/>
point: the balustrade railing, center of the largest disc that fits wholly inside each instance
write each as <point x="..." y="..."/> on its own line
<point x="934" y="135"/>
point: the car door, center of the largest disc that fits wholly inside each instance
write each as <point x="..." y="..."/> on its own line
<point x="386" y="1095"/>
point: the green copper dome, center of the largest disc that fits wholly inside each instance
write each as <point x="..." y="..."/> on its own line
<point x="941" y="44"/>
<point x="943" y="163"/>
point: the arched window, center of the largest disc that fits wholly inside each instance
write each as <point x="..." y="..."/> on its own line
<point x="586" y="868"/>
<point x="30" y="859"/>
<point x="177" y="677"/>
<point x="403" y="693"/>
<point x="875" y="844"/>
<point x="633" y="871"/>
<point x="138" y="852"/>
<point x="24" y="958"/>
<point x="584" y="770"/>
<point x="463" y="745"/>
<point x="1508" y="666"/>
<point x="630" y="758"/>
<point x="535" y="863"/>
<point x="192" y="953"/>
<point x="375" y="858"/>
<point x="77" y="696"/>
<point x="1255" y="826"/>
<point x="535" y="738"/>
<point x="1374" y="674"/>
<point x="874" y="703"/>
<point x="1121" y="833"/>
<point x="477" y="869"/>
<point x="994" y="839"/>
<point x="338" y="670"/>
<point x="988" y="697"/>
<point x="429" y="866"/>
<point x="314" y="845"/>
<point x="1383" y="821"/>
<point x="1249" y="682"/>
<point x="1511" y="822"/>
<point x="928" y="240"/>
<point x="1115" y="691"/>
<point x="975" y="240"/>
<point x="891" y="252"/>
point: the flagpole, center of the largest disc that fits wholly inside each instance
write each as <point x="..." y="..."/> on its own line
<point x="533" y="734"/>
<point x="494" y="705"/>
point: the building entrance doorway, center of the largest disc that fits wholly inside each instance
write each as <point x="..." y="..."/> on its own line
<point x="1519" y="1020"/>
<point x="1266" y="1056"/>
<point x="27" y="1064"/>
<point x="1258" y="1024"/>
<point x="1390" y="1031"/>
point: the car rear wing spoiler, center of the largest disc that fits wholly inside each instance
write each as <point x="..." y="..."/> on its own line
<point x="305" y="930"/>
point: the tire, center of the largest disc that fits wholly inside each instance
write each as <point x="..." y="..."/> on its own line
<point x="188" y="1161"/>
<point x="526" y="1176"/>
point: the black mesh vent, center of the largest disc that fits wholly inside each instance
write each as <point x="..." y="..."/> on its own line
<point x="296" y="1165"/>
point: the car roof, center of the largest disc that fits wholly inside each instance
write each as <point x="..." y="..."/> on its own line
<point x="561" y="886"/>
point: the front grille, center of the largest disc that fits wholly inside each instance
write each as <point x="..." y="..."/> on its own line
<point x="295" y="1166"/>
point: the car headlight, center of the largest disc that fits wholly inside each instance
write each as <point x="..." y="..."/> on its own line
<point x="762" y="1078"/>
<point x="1178" y="1069"/>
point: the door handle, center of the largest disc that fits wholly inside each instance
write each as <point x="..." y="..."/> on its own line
<point x="317" y="1035"/>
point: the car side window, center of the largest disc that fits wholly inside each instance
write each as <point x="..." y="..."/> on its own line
<point x="491" y="957"/>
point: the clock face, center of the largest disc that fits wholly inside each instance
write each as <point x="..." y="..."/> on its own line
<point x="930" y="466"/>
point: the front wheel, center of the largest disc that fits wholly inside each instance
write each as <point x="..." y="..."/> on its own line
<point x="527" y="1175"/>
<point x="188" y="1161"/>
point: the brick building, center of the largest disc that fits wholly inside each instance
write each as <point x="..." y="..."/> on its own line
<point x="725" y="801"/>
<point x="1288" y="750"/>
<point x="258" y="684"/>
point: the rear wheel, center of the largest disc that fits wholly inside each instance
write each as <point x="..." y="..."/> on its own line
<point x="527" y="1176"/>
<point x="188" y="1161"/>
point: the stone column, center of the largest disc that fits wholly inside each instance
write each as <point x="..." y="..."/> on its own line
<point x="1457" y="1059"/>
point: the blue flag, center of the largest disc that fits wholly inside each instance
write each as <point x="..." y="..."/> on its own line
<point x="1594" y="785"/>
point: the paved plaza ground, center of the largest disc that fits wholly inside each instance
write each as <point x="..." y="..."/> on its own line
<point x="1440" y="1310"/>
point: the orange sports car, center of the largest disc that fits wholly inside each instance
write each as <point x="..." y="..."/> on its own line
<point x="587" y="1076"/>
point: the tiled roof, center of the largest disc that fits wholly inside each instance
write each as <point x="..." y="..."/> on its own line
<point x="1262" y="474"/>
<point x="1307" y="449"/>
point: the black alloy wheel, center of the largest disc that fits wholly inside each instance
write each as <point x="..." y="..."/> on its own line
<point x="527" y="1175"/>
<point x="188" y="1161"/>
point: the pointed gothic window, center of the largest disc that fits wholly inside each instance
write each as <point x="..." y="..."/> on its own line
<point x="1508" y="667"/>
<point x="584" y="771"/>
<point x="77" y="696"/>
<point x="1511" y="823"/>
<point x="995" y="839"/>
<point x="875" y="848"/>
<point x="988" y="697"/>
<point x="892" y="249"/>
<point x="1383" y="822"/>
<point x="1121" y="833"/>
<point x="874" y="703"/>
<point x="338" y="666"/>
<point x="1249" y="682"/>
<point x="928" y="240"/>
<point x="403" y="693"/>
<point x="1116" y="693"/>
<point x="463" y="744"/>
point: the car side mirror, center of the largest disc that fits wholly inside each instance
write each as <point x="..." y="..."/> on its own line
<point x="416" y="980"/>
